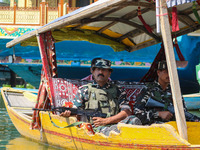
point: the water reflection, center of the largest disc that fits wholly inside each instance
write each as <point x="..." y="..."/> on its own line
<point x="22" y="143"/>
<point x="7" y="129"/>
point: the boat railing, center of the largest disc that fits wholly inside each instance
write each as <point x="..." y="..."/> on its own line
<point x="33" y="16"/>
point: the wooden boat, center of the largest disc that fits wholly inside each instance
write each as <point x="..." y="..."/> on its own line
<point x="99" y="23"/>
<point x="157" y="136"/>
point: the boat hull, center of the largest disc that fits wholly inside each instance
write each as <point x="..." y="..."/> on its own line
<point x="157" y="136"/>
<point x="192" y="101"/>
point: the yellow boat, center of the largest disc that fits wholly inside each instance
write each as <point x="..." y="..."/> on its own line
<point x="156" y="136"/>
<point x="114" y="23"/>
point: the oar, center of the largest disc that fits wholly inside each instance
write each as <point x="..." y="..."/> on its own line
<point x="171" y="63"/>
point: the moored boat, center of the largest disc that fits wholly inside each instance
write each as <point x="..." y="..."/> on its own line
<point x="110" y="22"/>
<point x="157" y="136"/>
<point x="192" y="101"/>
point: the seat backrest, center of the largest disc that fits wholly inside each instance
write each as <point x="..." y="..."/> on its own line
<point x="66" y="89"/>
<point x="132" y="90"/>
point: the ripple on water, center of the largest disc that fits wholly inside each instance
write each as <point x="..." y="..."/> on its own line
<point x="7" y="129"/>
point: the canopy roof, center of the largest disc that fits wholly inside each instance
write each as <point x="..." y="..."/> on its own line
<point x="115" y="23"/>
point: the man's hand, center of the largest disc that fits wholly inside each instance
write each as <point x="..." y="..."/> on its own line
<point x="67" y="113"/>
<point x="165" y="115"/>
<point x="98" y="121"/>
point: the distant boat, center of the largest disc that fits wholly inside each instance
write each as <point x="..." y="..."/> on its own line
<point x="192" y="101"/>
<point x="74" y="61"/>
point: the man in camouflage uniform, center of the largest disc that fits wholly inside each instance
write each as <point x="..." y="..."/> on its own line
<point x="106" y="97"/>
<point x="90" y="77"/>
<point x="160" y="91"/>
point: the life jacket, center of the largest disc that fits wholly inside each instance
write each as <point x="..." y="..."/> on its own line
<point x="104" y="100"/>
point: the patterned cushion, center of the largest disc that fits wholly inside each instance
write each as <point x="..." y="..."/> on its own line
<point x="66" y="89"/>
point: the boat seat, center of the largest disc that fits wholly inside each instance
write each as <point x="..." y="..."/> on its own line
<point x="66" y="89"/>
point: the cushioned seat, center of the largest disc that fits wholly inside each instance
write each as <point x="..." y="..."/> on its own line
<point x="66" y="89"/>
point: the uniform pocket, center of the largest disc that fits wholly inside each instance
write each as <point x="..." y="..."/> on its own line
<point x="104" y="103"/>
<point x="103" y="99"/>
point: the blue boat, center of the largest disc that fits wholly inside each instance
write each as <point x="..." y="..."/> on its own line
<point x="71" y="58"/>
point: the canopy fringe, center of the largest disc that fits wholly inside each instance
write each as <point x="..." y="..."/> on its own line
<point x="175" y="26"/>
<point x="149" y="29"/>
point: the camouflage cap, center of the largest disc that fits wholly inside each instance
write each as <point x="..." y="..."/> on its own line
<point x="102" y="63"/>
<point x="162" y="65"/>
<point x="94" y="60"/>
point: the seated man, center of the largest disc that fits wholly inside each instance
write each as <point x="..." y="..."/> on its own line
<point x="106" y="97"/>
<point x="90" y="77"/>
<point x="160" y="91"/>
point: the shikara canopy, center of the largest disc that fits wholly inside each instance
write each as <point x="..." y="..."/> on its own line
<point x="122" y="24"/>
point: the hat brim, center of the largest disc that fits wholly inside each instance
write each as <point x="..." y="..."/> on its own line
<point x="102" y="67"/>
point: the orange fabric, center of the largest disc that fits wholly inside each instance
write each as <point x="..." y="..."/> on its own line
<point x="88" y="127"/>
<point x="68" y="104"/>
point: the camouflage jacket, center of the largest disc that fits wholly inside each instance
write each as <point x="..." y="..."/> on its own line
<point x="152" y="90"/>
<point x="82" y="96"/>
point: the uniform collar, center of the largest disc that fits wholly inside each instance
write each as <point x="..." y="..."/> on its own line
<point x="158" y="84"/>
<point x="106" y="86"/>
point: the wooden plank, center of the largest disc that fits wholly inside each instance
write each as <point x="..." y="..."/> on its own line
<point x="18" y="100"/>
<point x="172" y="69"/>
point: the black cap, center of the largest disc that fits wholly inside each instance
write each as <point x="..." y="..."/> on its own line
<point x="94" y="60"/>
<point x="162" y="65"/>
<point x="102" y="63"/>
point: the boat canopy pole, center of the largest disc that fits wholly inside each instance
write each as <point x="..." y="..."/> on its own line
<point x="172" y="69"/>
<point x="42" y="42"/>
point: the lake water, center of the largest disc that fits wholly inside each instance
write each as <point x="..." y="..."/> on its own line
<point x="10" y="139"/>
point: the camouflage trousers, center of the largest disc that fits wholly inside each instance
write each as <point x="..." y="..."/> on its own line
<point x="128" y="120"/>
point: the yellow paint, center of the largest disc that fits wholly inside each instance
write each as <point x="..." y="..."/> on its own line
<point x="137" y="63"/>
<point x="111" y="33"/>
<point x="90" y="28"/>
<point x="126" y="41"/>
<point x="69" y="26"/>
<point x="30" y="96"/>
<point x="21" y="123"/>
<point x="2" y="34"/>
<point x="86" y="33"/>
<point x="10" y="29"/>
<point x="193" y="130"/>
<point x="157" y="136"/>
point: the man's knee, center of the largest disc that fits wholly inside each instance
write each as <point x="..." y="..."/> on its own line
<point x="132" y="119"/>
